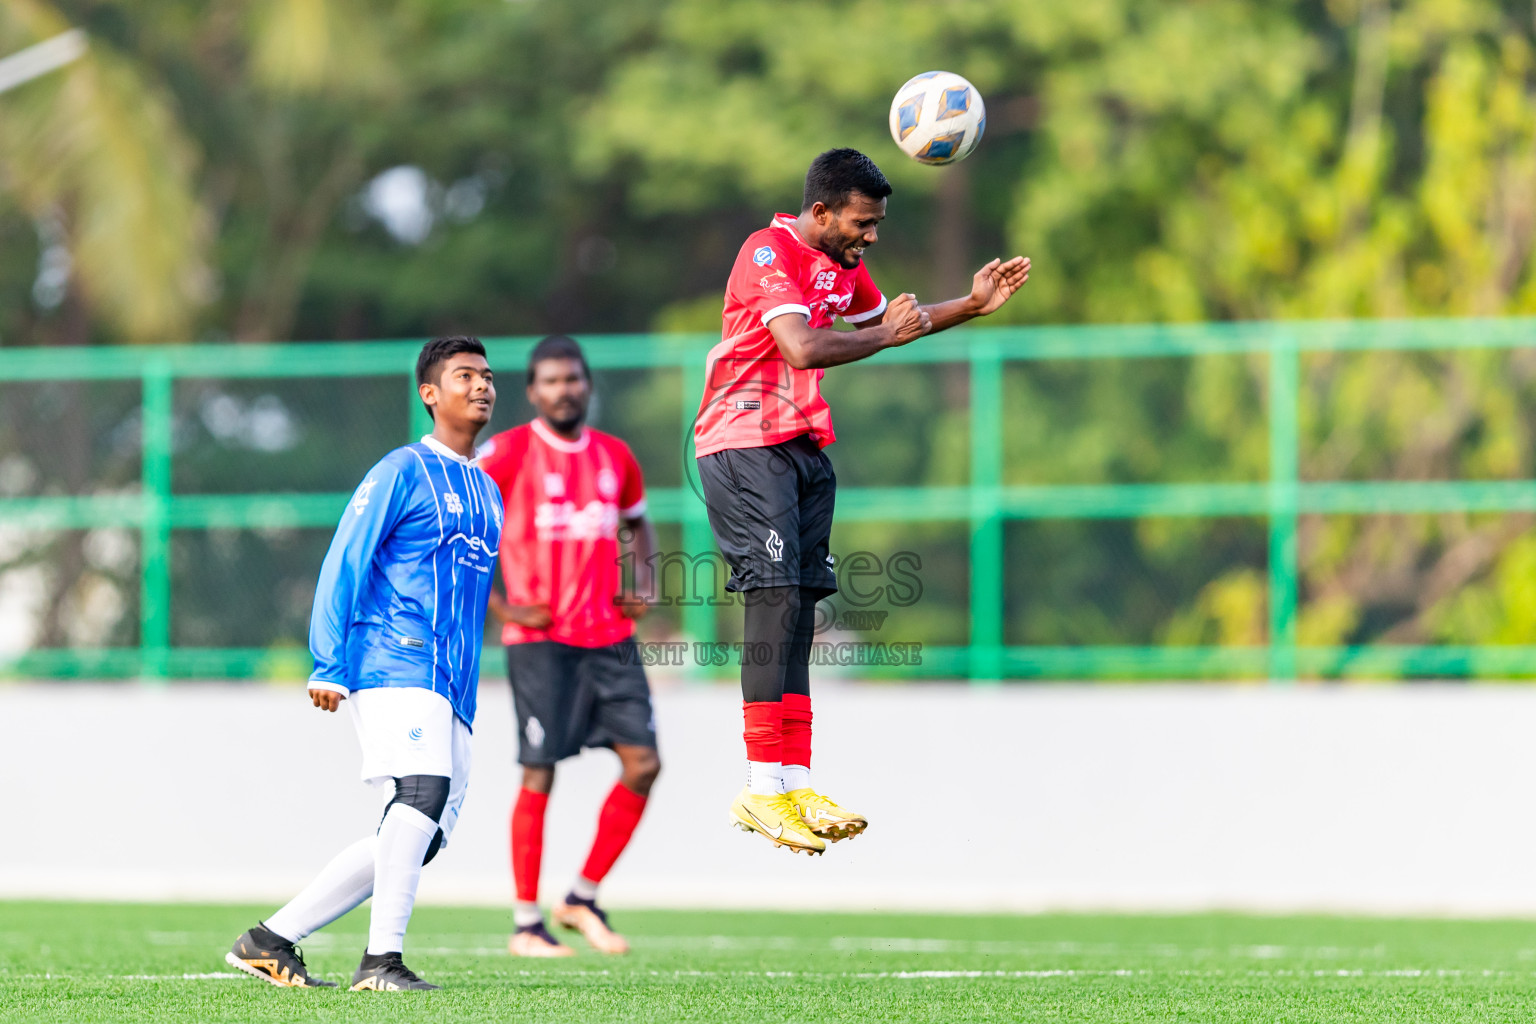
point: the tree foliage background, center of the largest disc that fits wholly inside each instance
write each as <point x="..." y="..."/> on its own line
<point x="329" y="169"/>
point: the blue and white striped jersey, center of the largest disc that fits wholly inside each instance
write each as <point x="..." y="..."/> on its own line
<point x="402" y="593"/>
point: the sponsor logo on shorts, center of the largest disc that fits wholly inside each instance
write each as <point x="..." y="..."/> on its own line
<point x="775" y="546"/>
<point x="535" y="732"/>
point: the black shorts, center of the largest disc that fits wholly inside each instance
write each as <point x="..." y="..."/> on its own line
<point x="567" y="698"/>
<point x="771" y="512"/>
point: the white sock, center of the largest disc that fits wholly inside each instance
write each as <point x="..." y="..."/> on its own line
<point x="402" y="844"/>
<point x="796" y="776"/>
<point x="584" y="888"/>
<point x="765" y="777"/>
<point x="526" y="915"/>
<point x="339" y="887"/>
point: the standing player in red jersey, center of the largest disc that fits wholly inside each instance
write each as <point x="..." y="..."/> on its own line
<point x="770" y="488"/>
<point x="569" y="631"/>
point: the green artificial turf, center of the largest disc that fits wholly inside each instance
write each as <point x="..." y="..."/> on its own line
<point x="91" y="962"/>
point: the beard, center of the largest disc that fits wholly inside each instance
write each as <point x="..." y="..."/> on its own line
<point x="566" y="418"/>
<point x="840" y="254"/>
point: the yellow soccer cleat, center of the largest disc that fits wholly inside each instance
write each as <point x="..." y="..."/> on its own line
<point x="823" y="817"/>
<point x="775" y="819"/>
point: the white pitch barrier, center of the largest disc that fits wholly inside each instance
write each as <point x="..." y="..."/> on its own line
<point x="1404" y="799"/>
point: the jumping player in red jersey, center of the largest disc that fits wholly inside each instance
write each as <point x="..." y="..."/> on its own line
<point x="569" y="631"/>
<point x="770" y="488"/>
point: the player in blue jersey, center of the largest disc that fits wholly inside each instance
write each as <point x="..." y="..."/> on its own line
<point x="396" y="632"/>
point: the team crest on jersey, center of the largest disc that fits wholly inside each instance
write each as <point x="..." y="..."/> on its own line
<point x="607" y="483"/>
<point x="360" y="499"/>
<point x="452" y="502"/>
<point x="763" y="257"/>
<point x="554" y="485"/>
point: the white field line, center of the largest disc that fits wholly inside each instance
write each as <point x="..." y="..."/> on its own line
<point x="865" y="975"/>
<point x="484" y="944"/>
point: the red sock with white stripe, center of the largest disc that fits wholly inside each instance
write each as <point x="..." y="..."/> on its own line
<point x="764" y="735"/>
<point x="528" y="854"/>
<point x="797" y="741"/>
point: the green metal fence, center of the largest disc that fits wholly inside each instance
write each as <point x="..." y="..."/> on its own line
<point x="985" y="505"/>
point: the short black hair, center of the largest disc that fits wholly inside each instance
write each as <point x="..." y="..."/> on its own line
<point x="557" y="346"/>
<point x="436" y="352"/>
<point x="837" y="174"/>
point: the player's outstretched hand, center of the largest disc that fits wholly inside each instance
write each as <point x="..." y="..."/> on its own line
<point x="326" y="700"/>
<point x="995" y="283"/>
<point x="908" y="320"/>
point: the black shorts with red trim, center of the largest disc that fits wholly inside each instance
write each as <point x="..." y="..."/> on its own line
<point x="567" y="698"/>
<point x="770" y="509"/>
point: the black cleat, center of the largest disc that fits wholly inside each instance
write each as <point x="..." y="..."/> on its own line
<point x="386" y="972"/>
<point x="266" y="955"/>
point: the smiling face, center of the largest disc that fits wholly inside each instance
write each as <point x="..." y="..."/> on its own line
<point x="845" y="233"/>
<point x="560" y="393"/>
<point x="465" y="392"/>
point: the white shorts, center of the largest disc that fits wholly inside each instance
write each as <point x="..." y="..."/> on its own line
<point x="409" y="730"/>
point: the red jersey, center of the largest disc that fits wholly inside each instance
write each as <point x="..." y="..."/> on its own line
<point x="752" y="397"/>
<point x="560" y="540"/>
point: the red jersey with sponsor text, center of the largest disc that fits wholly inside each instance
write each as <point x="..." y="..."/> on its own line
<point x="752" y="397"/>
<point x="563" y="501"/>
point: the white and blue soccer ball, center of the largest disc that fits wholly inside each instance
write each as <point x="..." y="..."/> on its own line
<point x="937" y="117"/>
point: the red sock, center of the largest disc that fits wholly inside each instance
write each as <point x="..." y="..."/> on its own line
<point x="764" y="730"/>
<point x="528" y="843"/>
<point x="615" y="824"/>
<point x="797" y="729"/>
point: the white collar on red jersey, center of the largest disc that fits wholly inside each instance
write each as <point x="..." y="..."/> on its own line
<point x="446" y="452"/>
<point x="787" y="222"/>
<point x="559" y="443"/>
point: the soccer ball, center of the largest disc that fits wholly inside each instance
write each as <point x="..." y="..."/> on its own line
<point x="937" y="117"/>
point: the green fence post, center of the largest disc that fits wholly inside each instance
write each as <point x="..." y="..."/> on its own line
<point x="698" y="623"/>
<point x="985" y="663"/>
<point x="419" y="420"/>
<point x="1284" y="473"/>
<point x="157" y="436"/>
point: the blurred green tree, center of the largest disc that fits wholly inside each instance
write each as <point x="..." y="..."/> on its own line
<point x="326" y="169"/>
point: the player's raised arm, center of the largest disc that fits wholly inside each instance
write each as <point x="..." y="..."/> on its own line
<point x="369" y="516"/>
<point x="810" y="348"/>
<point x="992" y="285"/>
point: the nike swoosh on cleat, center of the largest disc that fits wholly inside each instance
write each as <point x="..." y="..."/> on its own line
<point x="771" y="833"/>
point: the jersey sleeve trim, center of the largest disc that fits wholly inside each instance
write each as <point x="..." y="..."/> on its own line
<point x="788" y="307"/>
<point x="634" y="511"/>
<point x="858" y="318"/>
<point x="320" y="684"/>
